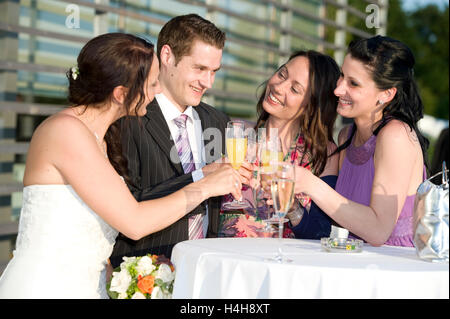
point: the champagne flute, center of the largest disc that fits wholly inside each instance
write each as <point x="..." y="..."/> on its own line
<point x="236" y="145"/>
<point x="269" y="153"/>
<point x="282" y="189"/>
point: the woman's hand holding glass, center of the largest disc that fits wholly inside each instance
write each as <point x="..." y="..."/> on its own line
<point x="302" y="176"/>
<point x="223" y="180"/>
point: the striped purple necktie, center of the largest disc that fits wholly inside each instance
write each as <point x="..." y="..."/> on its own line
<point x="187" y="161"/>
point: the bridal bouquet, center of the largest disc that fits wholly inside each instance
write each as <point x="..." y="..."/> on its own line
<point x="146" y="277"/>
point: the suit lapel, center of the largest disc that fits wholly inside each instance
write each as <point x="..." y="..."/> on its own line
<point x="207" y="123"/>
<point x="210" y="121"/>
<point x="159" y="130"/>
<point x="205" y="120"/>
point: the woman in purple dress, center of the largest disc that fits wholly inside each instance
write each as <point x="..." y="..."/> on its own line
<point x="383" y="154"/>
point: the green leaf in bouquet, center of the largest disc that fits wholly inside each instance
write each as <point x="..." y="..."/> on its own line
<point x="132" y="289"/>
<point x="132" y="270"/>
<point x="166" y="287"/>
<point x="159" y="282"/>
<point x="111" y="294"/>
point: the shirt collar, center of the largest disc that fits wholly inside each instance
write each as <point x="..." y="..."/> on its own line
<point x="169" y="110"/>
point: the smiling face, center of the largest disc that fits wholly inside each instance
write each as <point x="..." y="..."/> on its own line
<point x="286" y="89"/>
<point x="357" y="92"/>
<point x="185" y="82"/>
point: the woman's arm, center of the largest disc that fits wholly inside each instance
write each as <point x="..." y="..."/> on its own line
<point x="395" y="158"/>
<point x="314" y="224"/>
<point x="77" y="157"/>
<point x="296" y="213"/>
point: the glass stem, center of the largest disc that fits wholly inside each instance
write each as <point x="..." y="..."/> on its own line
<point x="280" y="237"/>
<point x="280" y="229"/>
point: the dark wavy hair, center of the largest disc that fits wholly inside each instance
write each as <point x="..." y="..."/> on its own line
<point x="318" y="115"/>
<point x="391" y="64"/>
<point x="105" y="62"/>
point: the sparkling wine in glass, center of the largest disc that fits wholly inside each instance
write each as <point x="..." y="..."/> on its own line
<point x="236" y="144"/>
<point x="236" y="150"/>
<point x="270" y="153"/>
<point x="282" y="189"/>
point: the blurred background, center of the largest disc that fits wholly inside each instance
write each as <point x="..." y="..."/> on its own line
<point x="40" y="40"/>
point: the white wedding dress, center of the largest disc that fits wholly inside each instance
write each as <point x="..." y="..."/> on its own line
<point x="62" y="247"/>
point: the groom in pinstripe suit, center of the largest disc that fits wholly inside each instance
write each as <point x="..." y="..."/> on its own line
<point x="166" y="151"/>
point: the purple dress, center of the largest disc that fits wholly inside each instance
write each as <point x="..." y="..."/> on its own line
<point x="355" y="183"/>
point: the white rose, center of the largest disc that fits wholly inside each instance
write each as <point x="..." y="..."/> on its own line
<point x="145" y="266"/>
<point x="165" y="273"/>
<point x="127" y="261"/>
<point x="157" y="293"/>
<point x="122" y="295"/>
<point x="120" y="281"/>
<point x="138" y="295"/>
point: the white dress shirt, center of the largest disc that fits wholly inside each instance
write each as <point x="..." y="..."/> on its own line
<point x="195" y="136"/>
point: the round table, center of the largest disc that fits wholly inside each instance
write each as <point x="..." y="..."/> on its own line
<point x="236" y="268"/>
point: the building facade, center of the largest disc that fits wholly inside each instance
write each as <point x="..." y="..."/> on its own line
<point x="40" y="40"/>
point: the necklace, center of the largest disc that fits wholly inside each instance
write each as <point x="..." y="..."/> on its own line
<point x="102" y="145"/>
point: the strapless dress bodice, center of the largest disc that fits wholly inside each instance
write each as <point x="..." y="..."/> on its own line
<point x="62" y="247"/>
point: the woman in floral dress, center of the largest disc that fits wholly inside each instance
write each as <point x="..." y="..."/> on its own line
<point x="299" y="102"/>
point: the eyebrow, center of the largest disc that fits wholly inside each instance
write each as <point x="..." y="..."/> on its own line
<point x="296" y="82"/>
<point x="205" y="67"/>
<point x="350" y="77"/>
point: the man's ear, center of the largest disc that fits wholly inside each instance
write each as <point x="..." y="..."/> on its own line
<point x="166" y="55"/>
<point x="119" y="94"/>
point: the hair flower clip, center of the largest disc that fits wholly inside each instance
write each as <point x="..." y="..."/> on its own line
<point x="75" y="72"/>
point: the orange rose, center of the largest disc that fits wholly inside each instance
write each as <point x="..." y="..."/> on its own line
<point x="145" y="284"/>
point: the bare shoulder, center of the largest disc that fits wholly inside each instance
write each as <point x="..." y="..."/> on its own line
<point x="60" y="136"/>
<point x="60" y="126"/>
<point x="331" y="147"/>
<point x="343" y="134"/>
<point x="56" y="140"/>
<point x="396" y="132"/>
<point x="398" y="143"/>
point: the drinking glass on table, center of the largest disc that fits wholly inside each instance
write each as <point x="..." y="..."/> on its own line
<point x="282" y="189"/>
<point x="236" y="145"/>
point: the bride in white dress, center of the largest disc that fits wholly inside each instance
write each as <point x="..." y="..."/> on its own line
<point x="75" y="200"/>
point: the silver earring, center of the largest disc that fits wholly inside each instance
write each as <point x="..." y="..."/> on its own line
<point x="379" y="102"/>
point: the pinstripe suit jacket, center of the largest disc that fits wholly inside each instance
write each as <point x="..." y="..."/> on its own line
<point x="147" y="147"/>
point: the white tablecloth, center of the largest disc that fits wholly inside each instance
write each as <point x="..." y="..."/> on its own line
<point x="235" y="268"/>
